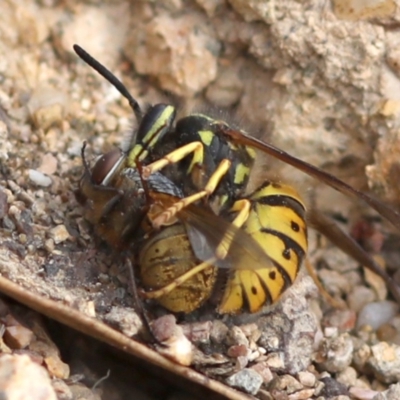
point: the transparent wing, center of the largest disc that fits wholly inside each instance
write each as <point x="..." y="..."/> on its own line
<point x="240" y="137"/>
<point x="208" y="233"/>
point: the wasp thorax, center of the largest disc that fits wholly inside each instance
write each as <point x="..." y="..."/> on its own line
<point x="107" y="166"/>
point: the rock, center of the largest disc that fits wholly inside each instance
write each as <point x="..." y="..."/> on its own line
<point x="59" y="234"/>
<point x="333" y="388"/>
<point x="247" y="380"/>
<point x="377" y="314"/>
<point x="393" y="393"/>
<point x="385" y="362"/>
<point x="335" y="354"/>
<point x="18" y="337"/>
<point x="39" y="178"/>
<point x="13" y="383"/>
<point x="182" y="59"/>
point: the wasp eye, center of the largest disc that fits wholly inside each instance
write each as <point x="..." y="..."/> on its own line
<point x="106" y="165"/>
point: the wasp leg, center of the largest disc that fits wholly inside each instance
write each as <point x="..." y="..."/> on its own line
<point x="166" y="216"/>
<point x="331" y="300"/>
<point x="242" y="207"/>
<point x="155" y="294"/>
<point x="175" y="156"/>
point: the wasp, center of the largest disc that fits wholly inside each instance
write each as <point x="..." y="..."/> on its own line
<point x="211" y="223"/>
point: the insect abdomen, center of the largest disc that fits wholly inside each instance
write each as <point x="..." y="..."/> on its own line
<point x="276" y="221"/>
<point x="167" y="256"/>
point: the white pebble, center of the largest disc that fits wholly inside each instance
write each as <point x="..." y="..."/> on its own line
<point x="377" y="313"/>
<point x="39" y="178"/>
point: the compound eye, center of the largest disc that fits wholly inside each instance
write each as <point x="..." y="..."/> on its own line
<point x="106" y="165"/>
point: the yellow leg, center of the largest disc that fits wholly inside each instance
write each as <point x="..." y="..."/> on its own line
<point x="331" y="300"/>
<point x="243" y="209"/>
<point x="215" y="179"/>
<point x="175" y="156"/>
<point x="155" y="294"/>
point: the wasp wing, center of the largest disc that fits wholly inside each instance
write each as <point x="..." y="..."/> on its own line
<point x="208" y="233"/>
<point x="240" y="137"/>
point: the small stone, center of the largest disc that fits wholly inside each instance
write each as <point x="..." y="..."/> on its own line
<point x="247" y="380"/>
<point x="386" y="333"/>
<point x="307" y="378"/>
<point x="361" y="356"/>
<point x="49" y="245"/>
<point x="393" y="393"/>
<point x="257" y="353"/>
<point x="47" y="106"/>
<point x="18" y="337"/>
<point x="287" y="383"/>
<point x="241" y="362"/>
<point x="14" y="370"/>
<point x="362" y="393"/>
<point x="56" y="367"/>
<point x="39" y="178"/>
<point x="275" y="361"/>
<point x="333" y="388"/>
<point x="359" y="297"/>
<point x="238" y="350"/>
<point x="164" y="327"/>
<point x="218" y="331"/>
<point x="125" y="320"/>
<point x="248" y="329"/>
<point x="385" y="362"/>
<point x="336" y="353"/>
<point x="377" y="313"/>
<point x="264" y="371"/>
<point x="347" y="377"/>
<point x="304" y="394"/>
<point x="59" y="234"/>
<point x="178" y="348"/>
<point x="237" y="337"/>
<point x="48" y="165"/>
<point x="331" y="332"/>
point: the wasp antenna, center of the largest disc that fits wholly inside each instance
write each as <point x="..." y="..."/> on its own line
<point x="110" y="77"/>
<point x="85" y="163"/>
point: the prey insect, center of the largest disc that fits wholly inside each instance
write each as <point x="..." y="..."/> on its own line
<point x="210" y="162"/>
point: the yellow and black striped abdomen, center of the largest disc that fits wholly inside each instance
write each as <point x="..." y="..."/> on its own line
<point x="276" y="222"/>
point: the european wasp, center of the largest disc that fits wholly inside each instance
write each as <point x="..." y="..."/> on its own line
<point x="212" y="222"/>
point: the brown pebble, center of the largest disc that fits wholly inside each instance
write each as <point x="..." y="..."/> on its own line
<point x="48" y="165"/>
<point x="18" y="337"/>
<point x="59" y="234"/>
<point x="386" y="332"/>
<point x="264" y="371"/>
<point x="164" y="327"/>
<point x="238" y="351"/>
<point x="56" y="367"/>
